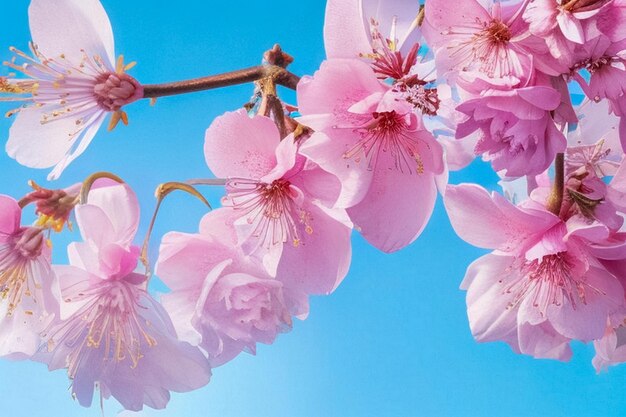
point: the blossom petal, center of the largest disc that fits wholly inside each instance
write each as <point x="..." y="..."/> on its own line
<point x="491" y="221"/>
<point x="395" y="209"/>
<point x="345" y="33"/>
<point x="321" y="261"/>
<point x="10" y="216"/>
<point x="67" y="27"/>
<point x="239" y="146"/>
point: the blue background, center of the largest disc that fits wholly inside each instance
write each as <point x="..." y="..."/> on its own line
<point x="392" y="341"/>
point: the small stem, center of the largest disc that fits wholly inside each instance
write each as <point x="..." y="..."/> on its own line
<point x="208" y="181"/>
<point x="556" y="198"/>
<point x="278" y="74"/>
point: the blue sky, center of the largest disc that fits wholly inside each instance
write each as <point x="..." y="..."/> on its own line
<point x="392" y="341"/>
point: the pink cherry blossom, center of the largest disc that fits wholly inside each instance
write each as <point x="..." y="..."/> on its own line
<point x="73" y="83"/>
<point x="111" y="333"/>
<point x="545" y="283"/>
<point x="518" y="134"/>
<point x="470" y="36"/>
<point x="222" y="300"/>
<point x="387" y="162"/>
<point x="27" y="284"/>
<point x="282" y="201"/>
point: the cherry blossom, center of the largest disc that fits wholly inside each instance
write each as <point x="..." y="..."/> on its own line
<point x="27" y="283"/>
<point x="73" y="82"/>
<point x="221" y="299"/>
<point x="387" y="162"/>
<point x="282" y="201"/>
<point x="545" y="283"/>
<point x="111" y="333"/>
<point x="517" y="132"/>
<point x="471" y="36"/>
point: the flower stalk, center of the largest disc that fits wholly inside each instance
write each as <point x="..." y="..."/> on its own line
<point x="556" y="197"/>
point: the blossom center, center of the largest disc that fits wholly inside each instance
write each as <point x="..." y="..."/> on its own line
<point x="551" y="280"/>
<point x="109" y="322"/>
<point x="115" y="90"/>
<point x="387" y="135"/>
<point x="271" y="208"/>
<point x="19" y="267"/>
<point x="498" y="32"/>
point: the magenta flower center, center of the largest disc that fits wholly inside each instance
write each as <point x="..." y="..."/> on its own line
<point x="108" y="322"/>
<point x="19" y="267"/>
<point x="272" y="209"/>
<point x="387" y="134"/>
<point x="551" y="281"/>
<point x="113" y="91"/>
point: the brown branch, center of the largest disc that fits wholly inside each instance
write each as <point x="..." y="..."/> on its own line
<point x="276" y="73"/>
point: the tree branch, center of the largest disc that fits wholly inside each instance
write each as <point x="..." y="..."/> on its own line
<point x="278" y="74"/>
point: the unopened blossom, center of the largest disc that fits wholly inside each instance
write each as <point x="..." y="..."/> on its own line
<point x="222" y="300"/>
<point x="487" y="36"/>
<point x="545" y="283"/>
<point x="72" y="82"/>
<point x="27" y="284"/>
<point x="282" y="201"/>
<point x="385" y="158"/>
<point x="517" y="132"/>
<point x="111" y="334"/>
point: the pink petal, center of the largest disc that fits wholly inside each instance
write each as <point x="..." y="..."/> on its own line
<point x="543" y="342"/>
<point x="90" y="131"/>
<point x="488" y="310"/>
<point x="38" y="145"/>
<point x="587" y="320"/>
<point x="321" y="261"/>
<point x="239" y="146"/>
<point x="328" y="154"/>
<point x="67" y="27"/>
<point x="571" y="27"/>
<point x="491" y="221"/>
<point x="396" y="208"/>
<point x="185" y="260"/>
<point x="10" y="215"/>
<point x="118" y="204"/>
<point x="345" y="30"/>
<point x="337" y="85"/>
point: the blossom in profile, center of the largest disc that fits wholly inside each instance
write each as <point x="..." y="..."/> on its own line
<point x="28" y="295"/>
<point x="386" y="160"/>
<point x="518" y="134"/>
<point x="222" y="300"/>
<point x="546" y="282"/>
<point x="111" y="333"/>
<point x="282" y="202"/>
<point x="73" y="81"/>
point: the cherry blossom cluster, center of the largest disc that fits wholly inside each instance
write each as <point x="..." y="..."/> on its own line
<point x="407" y="94"/>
